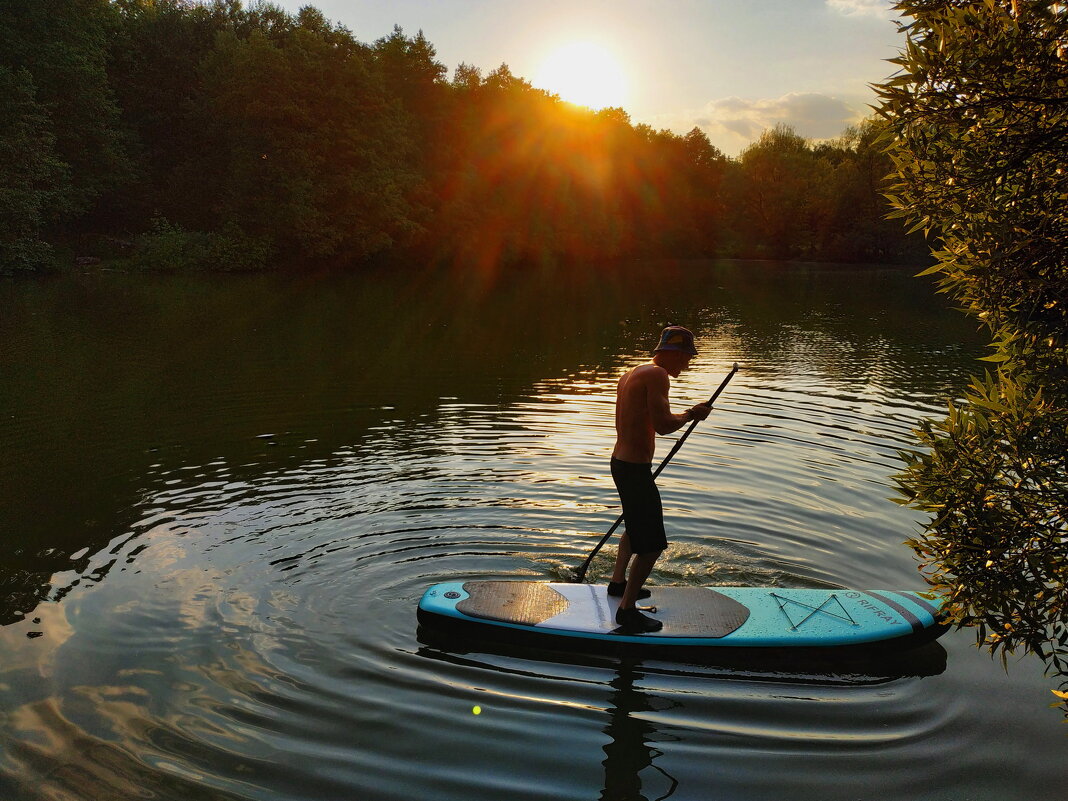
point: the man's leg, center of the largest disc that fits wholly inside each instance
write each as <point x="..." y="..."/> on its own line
<point x="640" y="568"/>
<point x="618" y="584"/>
<point x="628" y="617"/>
<point x="619" y="573"/>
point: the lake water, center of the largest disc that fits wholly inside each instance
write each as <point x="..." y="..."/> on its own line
<point x="221" y="498"/>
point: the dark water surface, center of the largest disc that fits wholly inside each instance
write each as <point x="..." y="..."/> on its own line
<point x="221" y="498"/>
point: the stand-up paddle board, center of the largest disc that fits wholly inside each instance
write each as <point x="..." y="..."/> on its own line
<point x="547" y="614"/>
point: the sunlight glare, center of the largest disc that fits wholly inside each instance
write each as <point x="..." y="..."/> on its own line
<point x="583" y="73"/>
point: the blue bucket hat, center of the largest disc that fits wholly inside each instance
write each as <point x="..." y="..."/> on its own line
<point x="675" y="337"/>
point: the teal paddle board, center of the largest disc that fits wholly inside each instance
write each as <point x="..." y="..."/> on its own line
<point x="546" y="614"/>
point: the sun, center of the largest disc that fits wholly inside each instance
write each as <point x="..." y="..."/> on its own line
<point x="583" y="73"/>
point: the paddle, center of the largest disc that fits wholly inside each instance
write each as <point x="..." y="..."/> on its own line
<point x="580" y="574"/>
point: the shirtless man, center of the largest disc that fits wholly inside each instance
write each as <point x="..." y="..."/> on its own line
<point x="642" y="412"/>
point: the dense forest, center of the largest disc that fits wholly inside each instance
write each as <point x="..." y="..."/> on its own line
<point x="182" y="134"/>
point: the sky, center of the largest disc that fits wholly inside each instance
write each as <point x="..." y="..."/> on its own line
<point x="730" y="67"/>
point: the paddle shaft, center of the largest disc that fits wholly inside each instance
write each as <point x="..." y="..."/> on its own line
<point x="580" y="576"/>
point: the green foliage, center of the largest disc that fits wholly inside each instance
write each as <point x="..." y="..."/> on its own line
<point x="410" y="72"/>
<point x="308" y="149"/>
<point x="62" y="44"/>
<point x="775" y="207"/>
<point x="787" y="198"/>
<point x="978" y="131"/>
<point x="153" y="57"/>
<point x="32" y="177"/>
<point x="170" y="248"/>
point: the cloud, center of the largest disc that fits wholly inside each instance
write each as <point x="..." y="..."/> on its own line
<point x="883" y="9"/>
<point x="733" y="122"/>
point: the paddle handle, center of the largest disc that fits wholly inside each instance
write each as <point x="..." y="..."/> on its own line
<point x="580" y="575"/>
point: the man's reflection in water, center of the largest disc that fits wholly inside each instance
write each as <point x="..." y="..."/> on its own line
<point x="629" y="750"/>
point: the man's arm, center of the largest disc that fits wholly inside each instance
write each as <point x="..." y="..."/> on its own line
<point x="664" y="422"/>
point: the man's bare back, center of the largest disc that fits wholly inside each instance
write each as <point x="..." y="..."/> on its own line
<point x="635" y="435"/>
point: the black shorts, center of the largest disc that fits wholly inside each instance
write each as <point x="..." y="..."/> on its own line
<point x="643" y="512"/>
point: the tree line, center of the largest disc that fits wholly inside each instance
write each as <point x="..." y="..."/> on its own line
<point x="210" y="134"/>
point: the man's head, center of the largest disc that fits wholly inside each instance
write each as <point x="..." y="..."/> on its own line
<point x="675" y="350"/>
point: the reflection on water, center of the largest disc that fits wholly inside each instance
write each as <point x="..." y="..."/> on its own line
<point x="649" y="705"/>
<point x="222" y="497"/>
<point x="631" y="735"/>
<point x="629" y="750"/>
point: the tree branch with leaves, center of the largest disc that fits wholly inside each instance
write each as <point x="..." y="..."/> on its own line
<point x="978" y="132"/>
